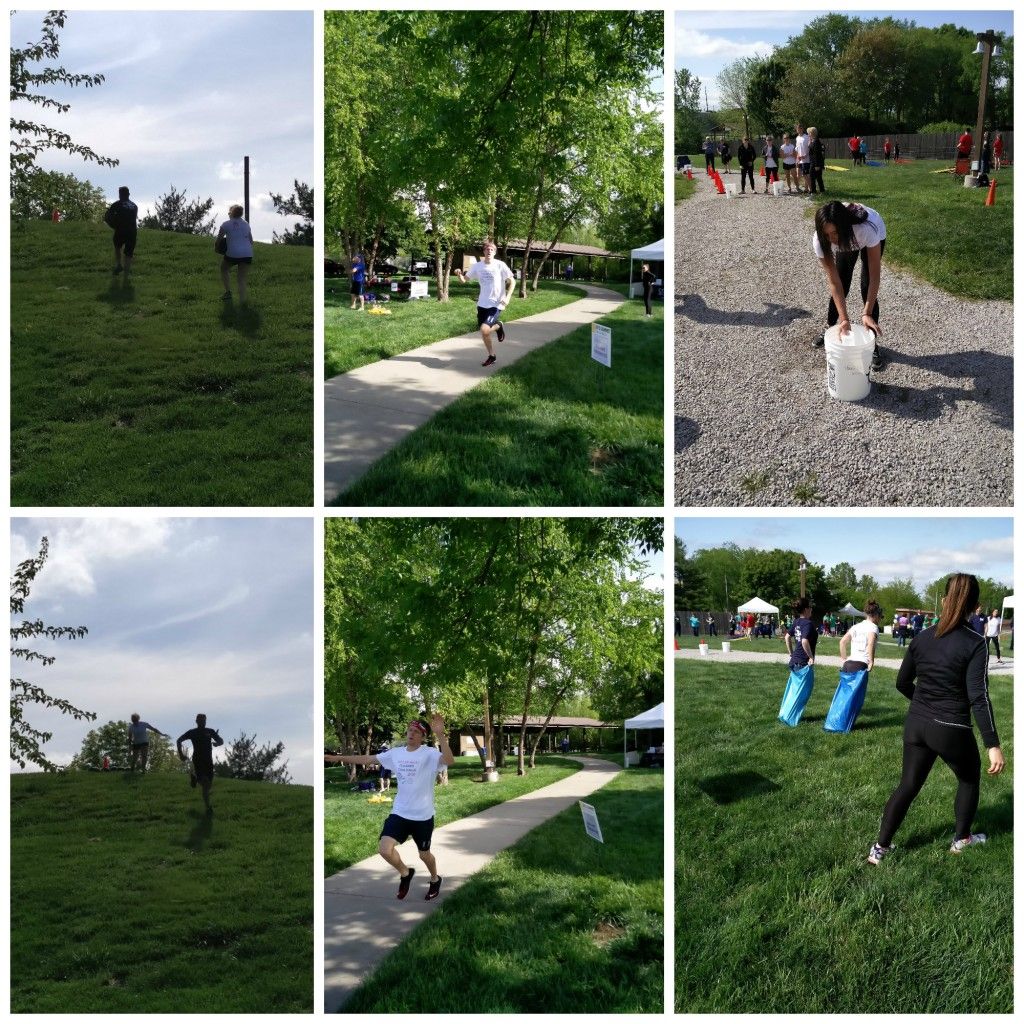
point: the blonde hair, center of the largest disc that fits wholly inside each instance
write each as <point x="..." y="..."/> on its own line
<point x="812" y="131"/>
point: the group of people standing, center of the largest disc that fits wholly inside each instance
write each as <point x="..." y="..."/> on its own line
<point x="799" y="157"/>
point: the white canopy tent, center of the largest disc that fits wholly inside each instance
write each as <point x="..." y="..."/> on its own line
<point x="654" y="718"/>
<point x="758" y="607"/>
<point x="848" y="609"/>
<point x="1007" y="603"/>
<point x="646" y="253"/>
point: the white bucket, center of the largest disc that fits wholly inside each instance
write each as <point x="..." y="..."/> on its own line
<point x="848" y="362"/>
<point x="970" y="181"/>
<point x="777" y="188"/>
<point x="703" y="648"/>
<point x="730" y="191"/>
<point x="726" y="646"/>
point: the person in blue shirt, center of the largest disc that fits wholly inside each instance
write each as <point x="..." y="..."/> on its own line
<point x="695" y="625"/>
<point x="802" y="636"/>
<point x="138" y="739"/>
<point x="123" y="217"/>
<point x="358" y="274"/>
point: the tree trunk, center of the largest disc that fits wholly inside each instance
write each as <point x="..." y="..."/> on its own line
<point x="534" y="217"/>
<point x="488" y="730"/>
<point x="544" y="727"/>
<point x="435" y="240"/>
<point x="554" y="242"/>
<point x="375" y="248"/>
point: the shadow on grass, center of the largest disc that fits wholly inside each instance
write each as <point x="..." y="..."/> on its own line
<point x="202" y="832"/>
<point x="734" y="786"/>
<point x="245" y="319"/>
<point x="120" y="292"/>
<point x="994" y="820"/>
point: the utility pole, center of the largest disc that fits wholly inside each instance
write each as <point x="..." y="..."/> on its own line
<point x="803" y="576"/>
<point x="246" y="200"/>
<point x="986" y="45"/>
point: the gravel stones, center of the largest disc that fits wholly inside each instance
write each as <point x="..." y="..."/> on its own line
<point x="754" y="423"/>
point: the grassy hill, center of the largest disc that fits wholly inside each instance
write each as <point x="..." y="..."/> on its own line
<point x="777" y="909"/>
<point x="151" y="390"/>
<point x="125" y="897"/>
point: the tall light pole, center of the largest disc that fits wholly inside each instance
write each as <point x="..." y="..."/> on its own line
<point x="987" y="47"/>
<point x="803" y="576"/>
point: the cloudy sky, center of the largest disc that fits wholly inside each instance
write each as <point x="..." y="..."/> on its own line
<point x="184" y="615"/>
<point x="187" y="95"/>
<point x="705" y="41"/>
<point x="885" y="548"/>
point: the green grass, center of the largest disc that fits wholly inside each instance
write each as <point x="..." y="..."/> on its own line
<point x="353" y="338"/>
<point x="125" y="898"/>
<point x="557" y="923"/>
<point x="886" y="646"/>
<point x="685" y="187"/>
<point x="935" y="227"/>
<point x="352" y="824"/>
<point x="555" y="428"/>
<point x="777" y="910"/>
<point x="155" y="392"/>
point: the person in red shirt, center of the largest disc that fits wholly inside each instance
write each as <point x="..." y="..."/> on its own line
<point x="854" y="145"/>
<point x="887" y="149"/>
<point x="964" y="145"/>
<point x="997" y="151"/>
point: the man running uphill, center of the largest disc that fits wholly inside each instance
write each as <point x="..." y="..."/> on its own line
<point x="123" y="217"/>
<point x="496" y="284"/>
<point x="203" y="741"/>
<point x="414" y="766"/>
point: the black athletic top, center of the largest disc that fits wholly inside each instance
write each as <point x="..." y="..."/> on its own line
<point x="122" y="215"/>
<point x="203" y="742"/>
<point x="952" y="680"/>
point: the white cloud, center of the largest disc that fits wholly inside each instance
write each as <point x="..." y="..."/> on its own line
<point x="236" y="596"/>
<point x="228" y="171"/>
<point x="992" y="558"/>
<point x="692" y="44"/>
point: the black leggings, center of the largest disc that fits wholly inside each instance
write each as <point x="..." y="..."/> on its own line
<point x="746" y="172"/>
<point x="845" y="264"/>
<point x="817" y="179"/>
<point x="989" y="641"/>
<point x="648" y="288"/>
<point x="923" y="741"/>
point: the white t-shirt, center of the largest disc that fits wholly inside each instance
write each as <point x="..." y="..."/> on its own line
<point x="788" y="151"/>
<point x="492" y="277"/>
<point x="859" y="636"/>
<point x="865" y="236"/>
<point x="414" y="771"/>
<point x="992" y="626"/>
<point x="239" y="236"/>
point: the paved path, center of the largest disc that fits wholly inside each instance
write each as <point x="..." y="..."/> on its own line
<point x="363" y="922"/>
<point x="369" y="410"/>
<point x="832" y="660"/>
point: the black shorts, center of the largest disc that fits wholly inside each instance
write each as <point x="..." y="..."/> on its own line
<point x="486" y="315"/>
<point x="400" y="829"/>
<point x="125" y="239"/>
<point x="357" y="288"/>
<point x="233" y="261"/>
<point x="203" y="772"/>
<point x="385" y="773"/>
<point x="805" y="168"/>
<point x="140" y="746"/>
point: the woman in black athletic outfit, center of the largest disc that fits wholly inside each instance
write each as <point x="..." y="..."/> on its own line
<point x="950" y="665"/>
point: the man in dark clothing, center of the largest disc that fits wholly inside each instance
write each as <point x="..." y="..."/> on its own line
<point x="648" y="279"/>
<point x="203" y="741"/>
<point x="746" y="154"/>
<point x="123" y="217"/>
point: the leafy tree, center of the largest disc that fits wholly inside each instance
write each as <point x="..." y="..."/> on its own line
<point x="899" y="593"/>
<point x="37" y="193"/>
<point x="111" y="740"/>
<point x="246" y="760"/>
<point x="732" y="81"/>
<point x="29" y="72"/>
<point x="175" y="212"/>
<point x="26" y="741"/>
<point x="767" y="76"/>
<point x="691" y="123"/>
<point x="298" y="204"/>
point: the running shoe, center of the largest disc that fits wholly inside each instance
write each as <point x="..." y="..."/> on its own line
<point x="433" y="890"/>
<point x="489" y="361"/>
<point x="975" y="839"/>
<point x="404" y="883"/>
<point x="877" y="360"/>
<point x="878" y="853"/>
<point x="501" y="330"/>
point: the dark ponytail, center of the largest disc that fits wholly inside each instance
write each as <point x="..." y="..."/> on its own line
<point x="962" y="593"/>
<point x="842" y="218"/>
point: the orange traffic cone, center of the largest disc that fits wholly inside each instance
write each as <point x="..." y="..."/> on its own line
<point x="719" y="187"/>
<point x="689" y="173"/>
<point x="762" y="172"/>
<point x="990" y="199"/>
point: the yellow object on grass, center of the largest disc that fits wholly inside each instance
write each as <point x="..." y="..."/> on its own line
<point x="833" y="167"/>
<point x="379" y="798"/>
<point x="379" y="310"/>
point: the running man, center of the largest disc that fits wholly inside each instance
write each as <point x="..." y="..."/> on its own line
<point x="138" y="739"/>
<point x="496" y="284"/>
<point x="123" y="217"/>
<point x="415" y="767"/>
<point x="203" y="741"/>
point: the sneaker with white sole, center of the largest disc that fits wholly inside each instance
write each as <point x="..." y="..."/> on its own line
<point x="975" y="839"/>
<point x="878" y="853"/>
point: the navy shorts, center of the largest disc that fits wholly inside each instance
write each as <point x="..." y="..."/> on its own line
<point x="400" y="829"/>
<point x="233" y="261"/>
<point x="357" y="288"/>
<point x="126" y="240"/>
<point x="805" y="168"/>
<point x="487" y="315"/>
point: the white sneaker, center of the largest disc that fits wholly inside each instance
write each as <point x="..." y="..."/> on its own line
<point x="975" y="839"/>
<point x="878" y="852"/>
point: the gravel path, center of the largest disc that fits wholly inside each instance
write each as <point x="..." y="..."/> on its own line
<point x="754" y="423"/>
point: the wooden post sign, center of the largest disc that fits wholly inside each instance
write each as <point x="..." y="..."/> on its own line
<point x="601" y="344"/>
<point x="590" y="822"/>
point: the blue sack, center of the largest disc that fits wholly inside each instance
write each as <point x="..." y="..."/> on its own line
<point x="849" y="699"/>
<point x="798" y="693"/>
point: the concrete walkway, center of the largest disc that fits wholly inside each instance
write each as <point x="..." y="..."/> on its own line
<point x="364" y="922"/>
<point x="369" y="410"/>
<point x="831" y="660"/>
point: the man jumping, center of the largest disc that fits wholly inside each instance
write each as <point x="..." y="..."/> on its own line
<point x="414" y="766"/>
<point x="138" y="738"/>
<point x="496" y="284"/>
<point x="203" y="741"/>
<point x="123" y="217"/>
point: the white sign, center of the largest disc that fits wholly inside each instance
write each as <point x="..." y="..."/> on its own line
<point x="601" y="344"/>
<point x="590" y="822"/>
